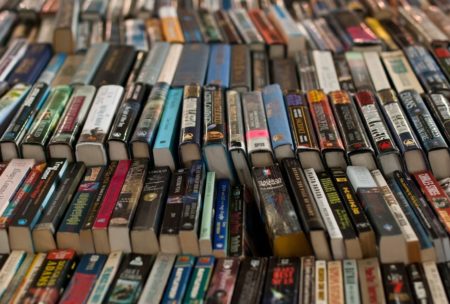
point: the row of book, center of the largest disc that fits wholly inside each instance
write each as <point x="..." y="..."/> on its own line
<point x="62" y="277"/>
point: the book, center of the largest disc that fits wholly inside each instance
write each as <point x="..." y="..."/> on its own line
<point x="269" y="32"/>
<point x="260" y="70"/>
<point x="210" y="27"/>
<point x="9" y="268"/>
<point x="306" y="71"/>
<point x="130" y="278"/>
<point x="94" y="10"/>
<point x="190" y="25"/>
<point x="136" y="35"/>
<point x="385" y="147"/>
<point x="170" y="25"/>
<point x="170" y="221"/>
<point x="384" y="224"/>
<point x="396" y="287"/>
<point x="223" y="281"/>
<point x="428" y="132"/>
<point x="306" y="208"/>
<point x="343" y="73"/>
<point x="90" y="147"/>
<point x="200" y="279"/>
<point x="14" y="53"/>
<point x="34" y="144"/>
<point x="110" y="269"/>
<point x="191" y="125"/>
<point x="52" y="69"/>
<point x="371" y="286"/>
<point x="227" y="29"/>
<point x="19" y="275"/>
<point x="52" y="277"/>
<point x="170" y="65"/>
<point x="165" y="146"/>
<point x="153" y="290"/>
<point x="375" y="68"/>
<point x="282" y="280"/>
<point x="238" y="231"/>
<point x="148" y="215"/>
<point x="356" y="142"/>
<point x="205" y="241"/>
<point x="10" y="103"/>
<point x="108" y="72"/>
<point x="66" y="23"/>
<point x="407" y="142"/>
<point x="439" y="106"/>
<point x="437" y="290"/>
<point x="240" y="68"/>
<point x="400" y="71"/>
<point x="360" y="72"/>
<point x="85" y="73"/>
<point x="284" y="73"/>
<point x="326" y="71"/>
<point x="282" y="223"/>
<point x="221" y="228"/>
<point x="31" y="65"/>
<point x="219" y="65"/>
<point x="444" y="271"/>
<point x="153" y="64"/>
<point x="250" y="280"/>
<point x="246" y="29"/>
<point x="330" y="141"/>
<point x="68" y="69"/>
<point x="193" y="64"/>
<point x="104" y="215"/>
<point x="351" y="281"/>
<point x="44" y="233"/>
<point x="179" y="279"/>
<point x="335" y="282"/>
<point x="419" y="285"/>
<point x="28" y="215"/>
<point x="131" y="131"/>
<point x="84" y="278"/>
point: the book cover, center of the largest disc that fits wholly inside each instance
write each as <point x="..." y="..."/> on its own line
<point x="282" y="280"/>
<point x="108" y="72"/>
<point x="192" y="66"/>
<point x="179" y="279"/>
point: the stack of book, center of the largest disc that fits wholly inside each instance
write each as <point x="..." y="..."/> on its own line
<point x="224" y="151"/>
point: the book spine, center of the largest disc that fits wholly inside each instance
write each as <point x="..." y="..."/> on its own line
<point x="67" y="71"/>
<point x="335" y="281"/>
<point x="359" y="71"/>
<point x="420" y="290"/>
<point x="376" y="70"/>
<point x="206" y="227"/>
<point x="260" y="70"/>
<point x="191" y="116"/>
<point x="223" y="279"/>
<point x="179" y="279"/>
<point x="170" y="25"/>
<point x="250" y="281"/>
<point x="283" y="275"/>
<point x="370" y="281"/>
<point x="245" y="26"/>
<point x="192" y="200"/>
<point x="199" y="282"/>
<point x="221" y="218"/>
<point x="192" y="66"/>
<point x="52" y="69"/>
<point x="108" y="73"/>
<point x="211" y="30"/>
<point x="351" y="286"/>
<point x="92" y="60"/>
<point x="307" y="72"/>
<point x="284" y="73"/>
<point x="9" y="268"/>
<point x="219" y="66"/>
<point x="10" y="103"/>
<point x="214" y="116"/>
<point x="236" y="235"/>
<point x="395" y="280"/>
<point x="344" y="74"/>
<point x="439" y="105"/>
<point x="12" y="56"/>
<point x="153" y="64"/>
<point x="434" y="282"/>
<point x="240" y="74"/>
<point x="228" y="31"/>
<point x="190" y="25"/>
<point x="236" y="132"/>
<point x="326" y="72"/>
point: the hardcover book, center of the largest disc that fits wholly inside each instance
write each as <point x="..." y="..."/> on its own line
<point x="247" y="29"/>
<point x="269" y="32"/>
<point x="190" y="25"/>
<point x="219" y="66"/>
<point x="284" y="73"/>
<point x="10" y="103"/>
<point x="153" y="64"/>
<point x="210" y="27"/>
<point x="170" y="25"/>
<point x="67" y="71"/>
<point x="240" y="68"/>
<point x="439" y="106"/>
<point x="360" y="71"/>
<point x="260" y="70"/>
<point x="66" y="23"/>
<point x="227" y="29"/>
<point x="400" y="72"/>
<point x="192" y="66"/>
<point x="170" y="63"/>
<point x="326" y="71"/>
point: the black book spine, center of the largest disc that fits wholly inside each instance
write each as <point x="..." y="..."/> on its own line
<point x="282" y="280"/>
<point x="249" y="284"/>
<point x="115" y="66"/>
<point x="419" y="285"/>
<point x="236" y="223"/>
<point x="260" y="70"/>
<point x="395" y="281"/>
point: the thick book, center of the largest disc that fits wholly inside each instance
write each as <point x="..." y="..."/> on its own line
<point x="110" y="269"/>
<point x="284" y="73"/>
<point x="236" y="137"/>
<point x="126" y="206"/>
<point x="191" y="125"/>
<point x="278" y="122"/>
<point x="330" y="141"/>
<point x="223" y="281"/>
<point x="100" y="226"/>
<point x="170" y="25"/>
<point x="257" y="134"/>
<point x="356" y="142"/>
<point x="62" y="142"/>
<point x="260" y="70"/>
<point x="44" y="234"/>
<point x="84" y="278"/>
<point x="52" y="277"/>
<point x="215" y="150"/>
<point x="306" y="208"/>
<point x="282" y="223"/>
<point x="227" y="29"/>
<point x="303" y="134"/>
<point x="370" y="280"/>
<point x="26" y="218"/>
<point x="144" y="134"/>
<point x="221" y="218"/>
<point x="376" y="70"/>
<point x="190" y="25"/>
<point x="153" y="290"/>
<point x="200" y="279"/>
<point x="85" y="73"/>
<point x="418" y="282"/>
<point x="10" y="102"/>
<point x="153" y="64"/>
<point x="250" y="280"/>
<point x="165" y="149"/>
<point x="133" y="273"/>
<point x="148" y="215"/>
<point x="386" y="228"/>
<point x="360" y="71"/>
<point x="401" y="129"/>
<point x="179" y="279"/>
<point x="115" y="67"/>
<point x="326" y="71"/>
<point x="170" y="221"/>
<point x="385" y="147"/>
<point x="31" y="65"/>
<point x="170" y="63"/>
<point x="400" y="72"/>
<point x="240" y="68"/>
<point x="192" y="66"/>
<point x="219" y="66"/>
<point x="270" y="34"/>
<point x="356" y="213"/>
<point x="282" y="280"/>
<point x="439" y="106"/>
<point x="66" y="24"/>
<point x="34" y="144"/>
<point x="246" y="29"/>
<point x="428" y="132"/>
<point x="90" y="147"/>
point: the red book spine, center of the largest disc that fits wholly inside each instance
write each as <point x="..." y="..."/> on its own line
<point x="265" y="27"/>
<point x="112" y="195"/>
<point x="435" y="196"/>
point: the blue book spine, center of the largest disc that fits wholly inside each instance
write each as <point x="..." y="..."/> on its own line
<point x="277" y="118"/>
<point x="52" y="68"/>
<point x="179" y="279"/>
<point x="424" y="237"/>
<point x="221" y="214"/>
<point x="227" y="4"/>
<point x="219" y="65"/>
<point x="422" y="121"/>
<point x="32" y="64"/>
<point x="168" y="127"/>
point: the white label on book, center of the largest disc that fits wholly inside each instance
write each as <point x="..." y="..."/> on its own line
<point x="326" y="72"/>
<point x="376" y="71"/>
<point x="189" y="113"/>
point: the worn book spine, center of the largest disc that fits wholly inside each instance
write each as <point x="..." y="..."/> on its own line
<point x="190" y="25"/>
<point x="439" y="106"/>
<point x="219" y="65"/>
<point x="229" y="32"/>
<point x="179" y="279"/>
<point x="284" y="73"/>
<point x="336" y="282"/>
<point x="283" y="276"/>
<point x="200" y="279"/>
<point x="84" y="278"/>
<point x="240" y="68"/>
<point x="86" y="71"/>
<point x="71" y="122"/>
<point x="145" y="132"/>
<point x="326" y="72"/>
<point x="53" y="277"/>
<point x="153" y="64"/>
<point x="260" y="70"/>
<point x="192" y="66"/>
<point x="370" y="279"/>
<point x="268" y="31"/>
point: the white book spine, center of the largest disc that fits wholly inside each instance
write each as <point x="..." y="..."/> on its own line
<point x="321" y="286"/>
<point x="9" y="269"/>
<point x="156" y="282"/>
<point x="104" y="280"/>
<point x="400" y="72"/>
<point x="394" y="206"/>
<point x="360" y="177"/>
<point x="170" y="64"/>
<point x="350" y="274"/>
<point x="326" y="72"/>
<point x="376" y="71"/>
<point x="434" y="282"/>
<point x="205" y="240"/>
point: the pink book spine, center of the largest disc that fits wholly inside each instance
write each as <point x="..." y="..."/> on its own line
<point x="112" y="195"/>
